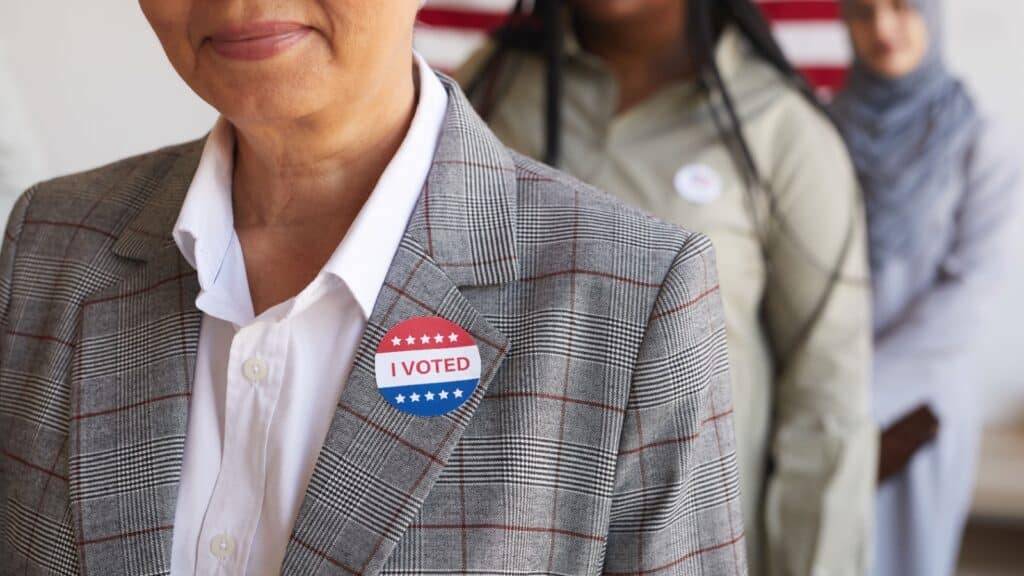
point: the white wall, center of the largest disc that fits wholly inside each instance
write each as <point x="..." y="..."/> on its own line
<point x="95" y="81"/>
<point x="97" y="87"/>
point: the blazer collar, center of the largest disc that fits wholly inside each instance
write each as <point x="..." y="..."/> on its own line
<point x="466" y="218"/>
<point x="137" y="353"/>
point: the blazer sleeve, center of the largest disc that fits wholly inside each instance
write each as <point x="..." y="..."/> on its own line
<point x="675" y="507"/>
<point x="7" y="254"/>
<point x="943" y="324"/>
<point x="819" y="499"/>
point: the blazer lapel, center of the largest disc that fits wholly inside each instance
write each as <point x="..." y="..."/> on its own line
<point x="131" y="380"/>
<point x="378" y="464"/>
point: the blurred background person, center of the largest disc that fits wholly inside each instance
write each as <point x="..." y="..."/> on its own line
<point x="939" y="187"/>
<point x="20" y="164"/>
<point x="690" y="110"/>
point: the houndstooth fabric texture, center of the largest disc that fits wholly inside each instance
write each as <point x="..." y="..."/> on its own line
<point x="599" y="439"/>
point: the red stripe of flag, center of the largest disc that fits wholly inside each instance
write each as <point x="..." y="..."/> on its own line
<point x="830" y="77"/>
<point x="461" y="19"/>
<point x="801" y="10"/>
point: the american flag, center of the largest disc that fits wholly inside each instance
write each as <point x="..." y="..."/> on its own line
<point x="808" y="30"/>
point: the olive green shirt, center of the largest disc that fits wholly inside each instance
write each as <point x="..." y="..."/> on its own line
<point x="806" y="443"/>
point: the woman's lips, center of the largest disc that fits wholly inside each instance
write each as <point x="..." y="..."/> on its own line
<point x="257" y="41"/>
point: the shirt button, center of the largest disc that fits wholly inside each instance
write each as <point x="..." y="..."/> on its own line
<point x="222" y="546"/>
<point x="254" y="369"/>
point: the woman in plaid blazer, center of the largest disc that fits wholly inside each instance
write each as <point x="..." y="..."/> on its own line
<point x="598" y="437"/>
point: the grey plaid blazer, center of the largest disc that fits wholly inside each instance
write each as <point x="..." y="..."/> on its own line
<point x="598" y="440"/>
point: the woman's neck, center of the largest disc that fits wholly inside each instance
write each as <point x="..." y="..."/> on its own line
<point x="323" y="165"/>
<point x="298" y="187"/>
<point x="645" y="53"/>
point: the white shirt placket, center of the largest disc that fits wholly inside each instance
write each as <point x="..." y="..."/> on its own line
<point x="256" y="369"/>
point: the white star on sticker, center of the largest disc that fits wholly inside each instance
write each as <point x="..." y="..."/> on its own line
<point x="429" y="396"/>
<point x="410" y="340"/>
<point x="425" y="339"/>
<point x="438" y="339"/>
<point x="415" y="397"/>
<point x="443" y="394"/>
<point x="396" y="341"/>
<point x="400" y="399"/>
<point x="458" y="393"/>
<point x="453" y="337"/>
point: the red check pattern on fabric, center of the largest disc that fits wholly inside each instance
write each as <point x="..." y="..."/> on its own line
<point x="810" y="32"/>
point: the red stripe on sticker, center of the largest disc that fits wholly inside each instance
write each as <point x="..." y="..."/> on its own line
<point x="427" y="333"/>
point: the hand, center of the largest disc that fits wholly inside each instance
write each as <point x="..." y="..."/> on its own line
<point x="901" y="440"/>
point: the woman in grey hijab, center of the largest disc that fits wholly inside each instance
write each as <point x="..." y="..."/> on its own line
<point x="939" y="189"/>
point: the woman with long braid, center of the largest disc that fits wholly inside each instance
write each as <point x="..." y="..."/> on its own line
<point x="689" y="109"/>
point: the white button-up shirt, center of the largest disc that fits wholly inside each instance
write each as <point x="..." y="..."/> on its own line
<point x="266" y="388"/>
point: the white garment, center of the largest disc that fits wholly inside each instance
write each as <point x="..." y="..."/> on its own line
<point x="266" y="388"/>
<point x="934" y="310"/>
<point x="20" y="164"/>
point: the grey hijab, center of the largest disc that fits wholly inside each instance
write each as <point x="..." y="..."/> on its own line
<point x="907" y="137"/>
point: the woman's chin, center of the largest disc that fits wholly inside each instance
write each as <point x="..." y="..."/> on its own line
<point x="258" y="104"/>
<point x="276" y="88"/>
<point x="894" y="66"/>
<point x="612" y="10"/>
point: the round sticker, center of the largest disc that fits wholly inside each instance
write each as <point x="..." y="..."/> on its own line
<point x="698" y="183"/>
<point x="427" y="366"/>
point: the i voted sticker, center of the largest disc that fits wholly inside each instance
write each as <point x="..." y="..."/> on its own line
<point x="427" y="366"/>
<point x="698" y="183"/>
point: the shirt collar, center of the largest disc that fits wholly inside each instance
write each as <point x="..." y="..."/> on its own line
<point x="363" y="258"/>
<point x="206" y="224"/>
<point x="204" y="231"/>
